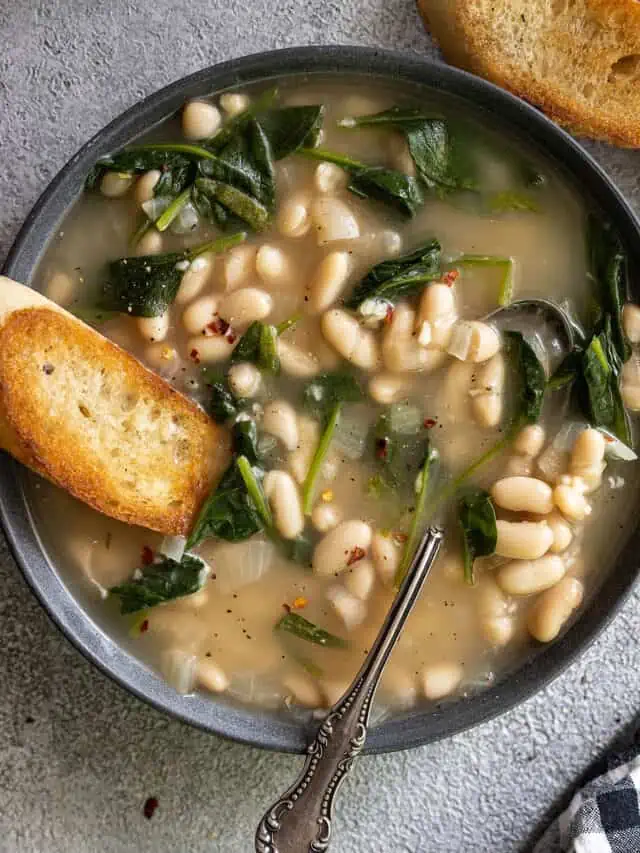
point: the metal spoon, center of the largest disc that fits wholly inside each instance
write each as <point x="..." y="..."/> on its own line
<point x="536" y="314"/>
<point x="300" y="820"/>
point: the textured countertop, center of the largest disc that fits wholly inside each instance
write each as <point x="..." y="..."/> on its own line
<point x="78" y="756"/>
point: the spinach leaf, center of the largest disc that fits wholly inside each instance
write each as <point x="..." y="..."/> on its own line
<point x="598" y="386"/>
<point x="145" y="286"/>
<point x="291" y="128"/>
<point x="298" y="550"/>
<point x="511" y="200"/>
<point x="235" y="125"/>
<point x="245" y="440"/>
<point x="219" y="201"/>
<point x="300" y="627"/>
<point x="423" y="484"/>
<point x="397" y="277"/>
<point x="252" y="477"/>
<point x="394" y="456"/>
<point x="530" y="379"/>
<point x="176" y="167"/>
<point x="388" y="186"/>
<point x="259" y="345"/>
<point x="161" y="582"/>
<point x="222" y="405"/>
<point x="609" y="270"/>
<point x="477" y="518"/>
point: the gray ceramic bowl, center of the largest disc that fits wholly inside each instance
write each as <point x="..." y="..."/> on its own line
<point x="251" y="725"/>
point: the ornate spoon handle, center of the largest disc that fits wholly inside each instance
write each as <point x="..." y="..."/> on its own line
<point x="300" y="820"/>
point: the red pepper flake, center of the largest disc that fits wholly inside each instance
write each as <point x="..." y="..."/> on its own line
<point x="357" y="553"/>
<point x="150" y="806"/>
<point x="449" y="278"/>
<point x="399" y="537"/>
<point x="231" y="337"/>
<point x="147" y="556"/>
<point x="388" y="317"/>
<point x="429" y="423"/>
<point x="218" y="326"/>
<point x="195" y="356"/>
<point x="609" y="438"/>
<point x="144" y="627"/>
<point x="382" y="447"/>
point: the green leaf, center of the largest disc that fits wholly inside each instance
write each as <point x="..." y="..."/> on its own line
<point x="222" y="405"/>
<point x="160" y="582"/>
<point x="300" y="627"/>
<point x="309" y="488"/>
<point x="291" y="128"/>
<point x="392" y="279"/>
<point x="244" y="437"/>
<point x="530" y="379"/>
<point x="510" y="200"/>
<point x="228" y="513"/>
<point x="477" y="518"/>
<point x="235" y="125"/>
<point x="609" y="271"/>
<point x="252" y="480"/>
<point x="504" y="264"/>
<point x="259" y="345"/>
<point x="598" y="388"/>
<point x="418" y="520"/>
<point x="176" y="167"/>
<point x="326" y="390"/>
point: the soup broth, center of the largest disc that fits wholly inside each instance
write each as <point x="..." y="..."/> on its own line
<point x="271" y="624"/>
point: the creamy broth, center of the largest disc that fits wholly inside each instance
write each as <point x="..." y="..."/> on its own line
<point x="461" y="636"/>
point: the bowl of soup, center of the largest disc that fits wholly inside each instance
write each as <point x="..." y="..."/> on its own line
<point x="313" y="244"/>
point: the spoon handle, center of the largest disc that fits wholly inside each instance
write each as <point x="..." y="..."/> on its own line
<point x="300" y="820"/>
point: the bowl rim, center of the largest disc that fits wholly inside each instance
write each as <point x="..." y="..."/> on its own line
<point x="252" y="725"/>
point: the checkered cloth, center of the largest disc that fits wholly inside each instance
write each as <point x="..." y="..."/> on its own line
<point x="603" y="817"/>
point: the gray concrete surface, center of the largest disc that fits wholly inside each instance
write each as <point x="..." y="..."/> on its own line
<point x="78" y="757"/>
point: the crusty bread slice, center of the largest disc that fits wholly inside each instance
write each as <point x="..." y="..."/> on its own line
<point x="84" y="413"/>
<point x="579" y="60"/>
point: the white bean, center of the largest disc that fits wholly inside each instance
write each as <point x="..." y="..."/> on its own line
<point x="385" y="388"/>
<point x="550" y="612"/>
<point x="328" y="281"/>
<point x="530" y="440"/>
<point x="244" y="379"/>
<point x="303" y="690"/>
<point x="333" y="220"/>
<point x="286" y="505"/>
<point x="386" y="555"/>
<point x="200" y="120"/>
<point x="346" y="336"/>
<point x="525" y="577"/>
<point x="150" y="243"/>
<point x="279" y="419"/>
<point x="571" y="502"/>
<point x="523" y="494"/>
<point x="360" y="579"/>
<point x="210" y="676"/>
<point x="630" y="383"/>
<point x="329" y="178"/>
<point x="523" y="540"/>
<point x="233" y="103"/>
<point x="588" y="450"/>
<point x="308" y="437"/>
<point x="486" y="397"/>
<point x="272" y="266"/>
<point x="401" y="351"/>
<point x="474" y="341"/>
<point x="194" y="279"/>
<point x="199" y="314"/>
<point x="350" y="609"/>
<point x="154" y="328"/>
<point x="115" y="184"/>
<point x="441" y="679"/>
<point x="61" y="288"/>
<point x="297" y="362"/>
<point x="293" y="217"/>
<point x="210" y="349"/>
<point x="243" y="307"/>
<point x="631" y="322"/>
<point x="162" y="357"/>
<point x="562" y="533"/>
<point x="145" y="185"/>
<point x="239" y="266"/>
<point x="325" y="517"/>
<point x="436" y="316"/>
<point x="454" y="396"/>
<point x="340" y="546"/>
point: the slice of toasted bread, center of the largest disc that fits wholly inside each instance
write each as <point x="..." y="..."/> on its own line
<point x="579" y="60"/>
<point x="84" y="413"/>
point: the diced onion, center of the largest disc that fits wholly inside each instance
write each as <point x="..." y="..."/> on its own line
<point x="616" y="449"/>
<point x="179" y="669"/>
<point x="552" y="461"/>
<point x="173" y="547"/>
<point x="186" y="220"/>
<point x="155" y="207"/>
<point x="350" y="437"/>
<point x="255" y="689"/>
<point x="241" y="563"/>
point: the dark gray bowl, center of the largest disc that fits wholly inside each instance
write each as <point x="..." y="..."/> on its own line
<point x="251" y="725"/>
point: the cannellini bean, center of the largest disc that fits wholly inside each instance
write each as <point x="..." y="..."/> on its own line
<point x="329" y="178"/>
<point x="279" y="419"/>
<point x="210" y="676"/>
<point x="162" y="357"/>
<point x="436" y="316"/>
<point x="346" y="543"/>
<point x="486" y="397"/>
<point x="562" y="533"/>
<point x="308" y="437"/>
<point x="385" y="388"/>
<point x="328" y="281"/>
<point x="346" y="336"/>
<point x="360" y="579"/>
<point x="145" y="185"/>
<point x="233" y="103"/>
<point x="115" y="184"/>
<point x="588" y="450"/>
<point x="571" y="502"/>
<point x="286" y="505"/>
<point x="303" y="690"/>
<point x="200" y="120"/>
<point x="293" y="217"/>
<point x="325" y="517"/>
<point x="454" y="396"/>
<point x="530" y="440"/>
<point x="297" y="362"/>
<point x="199" y="314"/>
<point x="386" y="555"/>
<point x="524" y="577"/>
<point x="239" y="266"/>
<point x="194" y="279"/>
<point x="631" y="322"/>
<point x="440" y="679"/>
<point x="245" y="306"/>
<point x="401" y="351"/>
<point x="550" y="612"/>
<point x="154" y="328"/>
<point x="523" y="494"/>
<point x="523" y="540"/>
<point x="210" y="349"/>
<point x="150" y="243"/>
<point x="333" y="220"/>
<point x="474" y="341"/>
<point x="272" y="266"/>
<point x="244" y="379"/>
<point x="61" y="288"/>
<point x="350" y="609"/>
<point x="630" y="383"/>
